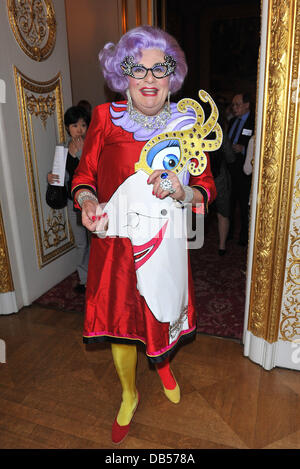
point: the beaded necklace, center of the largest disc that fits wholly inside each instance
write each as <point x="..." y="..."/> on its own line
<point x="150" y="122"/>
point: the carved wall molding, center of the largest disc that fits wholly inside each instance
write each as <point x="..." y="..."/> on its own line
<point x="53" y="233"/>
<point x="33" y="24"/>
<point x="41" y="106"/>
<point x="56" y="231"/>
<point x="277" y="168"/>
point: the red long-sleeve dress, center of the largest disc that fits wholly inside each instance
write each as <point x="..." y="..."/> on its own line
<point x="115" y="309"/>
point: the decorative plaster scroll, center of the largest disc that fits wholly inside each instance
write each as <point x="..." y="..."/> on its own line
<point x="274" y="197"/>
<point x="42" y="106"/>
<point x="34" y="26"/>
<point x="56" y="229"/>
<point x="39" y="102"/>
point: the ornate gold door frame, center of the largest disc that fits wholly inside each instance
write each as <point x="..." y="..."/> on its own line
<point x="277" y="181"/>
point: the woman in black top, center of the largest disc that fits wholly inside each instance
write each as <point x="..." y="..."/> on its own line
<point x="77" y="120"/>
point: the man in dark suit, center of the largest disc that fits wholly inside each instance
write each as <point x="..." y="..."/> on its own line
<point x="240" y="130"/>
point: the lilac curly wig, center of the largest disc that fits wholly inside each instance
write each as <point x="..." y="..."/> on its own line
<point x="132" y="43"/>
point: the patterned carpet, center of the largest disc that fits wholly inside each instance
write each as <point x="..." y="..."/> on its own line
<point x="219" y="287"/>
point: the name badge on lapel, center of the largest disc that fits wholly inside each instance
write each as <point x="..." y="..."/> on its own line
<point x="247" y="132"/>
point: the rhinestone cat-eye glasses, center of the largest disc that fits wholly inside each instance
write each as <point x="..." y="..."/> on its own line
<point x="139" y="71"/>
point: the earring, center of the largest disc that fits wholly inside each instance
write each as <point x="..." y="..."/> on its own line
<point x="129" y="102"/>
<point x="169" y="107"/>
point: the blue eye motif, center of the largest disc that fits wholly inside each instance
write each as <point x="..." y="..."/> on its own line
<point x="164" y="155"/>
<point x="170" y="161"/>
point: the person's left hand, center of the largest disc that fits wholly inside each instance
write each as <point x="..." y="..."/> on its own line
<point x="155" y="179"/>
<point x="52" y="178"/>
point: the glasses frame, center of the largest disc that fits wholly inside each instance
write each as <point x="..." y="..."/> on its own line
<point x="128" y="64"/>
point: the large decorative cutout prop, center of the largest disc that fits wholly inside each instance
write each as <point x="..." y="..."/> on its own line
<point x="157" y="228"/>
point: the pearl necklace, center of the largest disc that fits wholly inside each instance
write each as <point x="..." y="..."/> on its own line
<point x="149" y="122"/>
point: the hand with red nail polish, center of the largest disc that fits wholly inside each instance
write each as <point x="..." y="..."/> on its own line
<point x="88" y="214"/>
<point x="102" y="220"/>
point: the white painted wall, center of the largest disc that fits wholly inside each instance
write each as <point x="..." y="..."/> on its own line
<point x="90" y="25"/>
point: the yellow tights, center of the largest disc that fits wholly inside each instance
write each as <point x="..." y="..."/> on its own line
<point x="125" y="360"/>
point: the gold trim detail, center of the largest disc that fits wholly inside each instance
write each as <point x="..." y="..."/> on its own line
<point x="33" y="24"/>
<point x="176" y="327"/>
<point x="44" y="99"/>
<point x="138" y="12"/>
<point x="42" y="106"/>
<point x="141" y="9"/>
<point x="149" y="12"/>
<point x="124" y="17"/>
<point x="276" y="172"/>
<point x="56" y="229"/>
<point x="6" y="281"/>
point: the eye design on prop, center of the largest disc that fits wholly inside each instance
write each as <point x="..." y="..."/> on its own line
<point x="193" y="142"/>
<point x="164" y="155"/>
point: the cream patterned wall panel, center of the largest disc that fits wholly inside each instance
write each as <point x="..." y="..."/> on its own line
<point x="41" y="120"/>
<point x="290" y="317"/>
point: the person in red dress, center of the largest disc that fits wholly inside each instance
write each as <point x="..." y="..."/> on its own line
<point x="150" y="150"/>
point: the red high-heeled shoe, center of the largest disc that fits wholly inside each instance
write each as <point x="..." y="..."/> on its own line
<point x="119" y="432"/>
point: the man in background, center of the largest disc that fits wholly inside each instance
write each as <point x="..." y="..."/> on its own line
<point x="240" y="130"/>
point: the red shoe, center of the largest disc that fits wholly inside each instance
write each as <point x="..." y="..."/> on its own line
<point x="119" y="432"/>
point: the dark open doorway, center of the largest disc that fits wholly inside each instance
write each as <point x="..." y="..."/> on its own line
<point x="221" y="40"/>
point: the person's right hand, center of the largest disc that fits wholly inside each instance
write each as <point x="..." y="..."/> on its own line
<point x="52" y="178"/>
<point x="93" y="217"/>
<point x="75" y="145"/>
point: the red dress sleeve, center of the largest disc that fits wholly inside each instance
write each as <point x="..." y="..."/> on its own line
<point x="85" y="175"/>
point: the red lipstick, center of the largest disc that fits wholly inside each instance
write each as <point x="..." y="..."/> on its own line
<point x="148" y="91"/>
